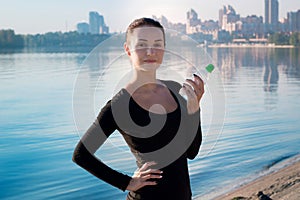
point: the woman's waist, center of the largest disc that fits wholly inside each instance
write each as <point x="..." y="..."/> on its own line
<point x="164" y="190"/>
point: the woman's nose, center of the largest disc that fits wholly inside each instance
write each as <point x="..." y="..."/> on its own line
<point x="150" y="51"/>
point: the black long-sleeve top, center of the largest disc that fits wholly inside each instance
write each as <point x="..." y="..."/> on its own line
<point x="168" y="139"/>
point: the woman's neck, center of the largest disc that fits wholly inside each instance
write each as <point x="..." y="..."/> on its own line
<point x="143" y="80"/>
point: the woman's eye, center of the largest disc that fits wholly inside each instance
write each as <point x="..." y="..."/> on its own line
<point x="141" y="45"/>
<point x="158" y="45"/>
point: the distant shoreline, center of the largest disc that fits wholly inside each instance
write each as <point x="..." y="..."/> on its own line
<point x="249" y="46"/>
<point x="89" y="48"/>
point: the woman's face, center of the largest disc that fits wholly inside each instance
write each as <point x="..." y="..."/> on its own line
<point x="145" y="47"/>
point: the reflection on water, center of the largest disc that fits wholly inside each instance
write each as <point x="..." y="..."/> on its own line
<point x="268" y="60"/>
<point x="38" y="134"/>
<point x="231" y="59"/>
<point x="270" y="77"/>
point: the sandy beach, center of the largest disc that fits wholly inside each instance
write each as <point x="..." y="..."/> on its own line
<point x="280" y="185"/>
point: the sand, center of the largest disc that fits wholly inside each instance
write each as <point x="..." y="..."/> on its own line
<point x="281" y="185"/>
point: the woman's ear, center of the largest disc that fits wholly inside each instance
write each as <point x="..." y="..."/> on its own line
<point x="127" y="49"/>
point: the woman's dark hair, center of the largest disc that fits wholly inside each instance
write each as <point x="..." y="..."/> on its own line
<point x="144" y="22"/>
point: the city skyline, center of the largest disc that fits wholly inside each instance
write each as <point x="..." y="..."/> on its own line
<point x="32" y="16"/>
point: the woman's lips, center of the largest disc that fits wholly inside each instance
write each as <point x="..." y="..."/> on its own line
<point x="150" y="61"/>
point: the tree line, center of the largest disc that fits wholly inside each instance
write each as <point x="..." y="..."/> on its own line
<point x="8" y="39"/>
<point x="285" y="39"/>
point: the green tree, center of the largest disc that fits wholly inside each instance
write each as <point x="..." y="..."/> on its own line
<point x="295" y="39"/>
<point x="68" y="39"/>
<point x="8" y="39"/>
<point x="279" y="39"/>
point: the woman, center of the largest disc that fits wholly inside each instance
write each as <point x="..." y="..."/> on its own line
<point x="161" y="128"/>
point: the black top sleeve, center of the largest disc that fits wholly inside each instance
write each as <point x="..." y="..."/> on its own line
<point x="94" y="137"/>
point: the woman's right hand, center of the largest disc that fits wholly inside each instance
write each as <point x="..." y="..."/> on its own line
<point x="142" y="175"/>
<point x="194" y="91"/>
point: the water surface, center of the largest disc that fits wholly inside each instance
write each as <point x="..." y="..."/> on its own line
<point x="38" y="133"/>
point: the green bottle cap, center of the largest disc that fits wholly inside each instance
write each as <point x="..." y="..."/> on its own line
<point x="210" y="68"/>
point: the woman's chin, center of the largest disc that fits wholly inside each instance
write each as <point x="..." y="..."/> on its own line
<point x="150" y="66"/>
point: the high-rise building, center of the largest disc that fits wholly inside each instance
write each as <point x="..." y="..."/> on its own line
<point x="293" y="21"/>
<point x="94" y="22"/>
<point x="97" y="24"/>
<point x="228" y="19"/>
<point x="271" y="14"/>
<point x="221" y="13"/>
<point x="200" y="31"/>
<point x="252" y="25"/>
<point x="180" y="27"/>
<point x="83" y="27"/>
<point x="193" y="24"/>
<point x="192" y="18"/>
<point x="227" y="15"/>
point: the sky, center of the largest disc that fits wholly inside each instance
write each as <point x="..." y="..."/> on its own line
<point x="41" y="16"/>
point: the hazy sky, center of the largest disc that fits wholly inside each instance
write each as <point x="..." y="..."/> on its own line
<point x="40" y="16"/>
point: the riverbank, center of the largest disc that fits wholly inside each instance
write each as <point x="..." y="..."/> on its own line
<point x="282" y="184"/>
<point x="249" y="46"/>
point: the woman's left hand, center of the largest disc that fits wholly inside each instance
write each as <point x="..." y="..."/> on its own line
<point x="194" y="91"/>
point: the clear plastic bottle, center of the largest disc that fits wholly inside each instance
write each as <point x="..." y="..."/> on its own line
<point x="203" y="73"/>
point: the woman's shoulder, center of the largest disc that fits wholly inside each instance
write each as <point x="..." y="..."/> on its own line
<point x="173" y="85"/>
<point x="116" y="102"/>
<point x="120" y="98"/>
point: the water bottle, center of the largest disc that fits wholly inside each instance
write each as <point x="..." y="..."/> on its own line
<point x="203" y="73"/>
